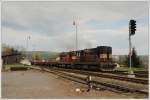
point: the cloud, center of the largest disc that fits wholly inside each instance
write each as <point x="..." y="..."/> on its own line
<point x="50" y="24"/>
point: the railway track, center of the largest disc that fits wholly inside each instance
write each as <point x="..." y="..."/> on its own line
<point x="138" y="74"/>
<point x="80" y="78"/>
<point x="107" y="75"/>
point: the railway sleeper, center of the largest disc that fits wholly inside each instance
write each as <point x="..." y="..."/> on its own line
<point x="109" y="76"/>
<point x="102" y="85"/>
<point x="118" y="87"/>
<point x="105" y="86"/>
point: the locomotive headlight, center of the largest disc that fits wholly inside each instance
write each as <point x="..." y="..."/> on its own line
<point x="110" y="55"/>
<point x="58" y="59"/>
<point x="103" y="55"/>
<point x="74" y="57"/>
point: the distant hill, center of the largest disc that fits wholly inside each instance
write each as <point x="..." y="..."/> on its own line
<point x="46" y="55"/>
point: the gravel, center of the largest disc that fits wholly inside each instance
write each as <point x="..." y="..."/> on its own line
<point x="36" y="84"/>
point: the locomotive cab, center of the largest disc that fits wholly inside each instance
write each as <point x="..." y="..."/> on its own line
<point x="94" y="58"/>
<point x="105" y="53"/>
<point x="105" y="58"/>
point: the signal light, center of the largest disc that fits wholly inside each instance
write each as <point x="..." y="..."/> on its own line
<point x="132" y="27"/>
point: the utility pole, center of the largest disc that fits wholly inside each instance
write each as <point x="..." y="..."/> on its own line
<point x="28" y="38"/>
<point x="76" y="37"/>
<point x="76" y="27"/>
<point x="88" y="76"/>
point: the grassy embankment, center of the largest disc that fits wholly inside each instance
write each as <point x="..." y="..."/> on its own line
<point x="133" y="68"/>
<point x="17" y="66"/>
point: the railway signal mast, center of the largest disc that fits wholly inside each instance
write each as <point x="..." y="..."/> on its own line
<point x="132" y="29"/>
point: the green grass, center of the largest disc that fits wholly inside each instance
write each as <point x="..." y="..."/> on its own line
<point x="133" y="68"/>
<point x="8" y="66"/>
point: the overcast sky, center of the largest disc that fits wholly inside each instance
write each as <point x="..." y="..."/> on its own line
<point x="50" y="25"/>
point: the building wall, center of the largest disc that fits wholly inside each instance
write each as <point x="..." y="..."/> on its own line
<point x="11" y="59"/>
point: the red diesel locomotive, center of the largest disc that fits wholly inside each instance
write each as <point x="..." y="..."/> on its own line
<point x="99" y="58"/>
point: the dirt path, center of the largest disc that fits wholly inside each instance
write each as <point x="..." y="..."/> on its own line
<point x="37" y="84"/>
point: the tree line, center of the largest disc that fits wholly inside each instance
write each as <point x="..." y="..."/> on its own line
<point x="135" y="60"/>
